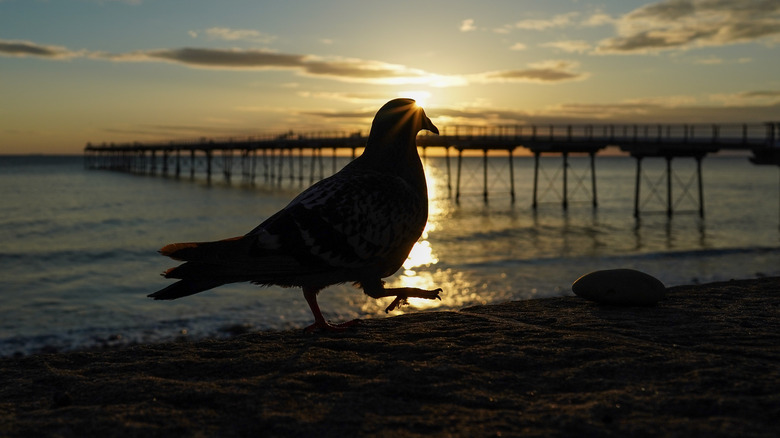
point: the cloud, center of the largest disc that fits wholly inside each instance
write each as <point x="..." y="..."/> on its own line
<point x="542" y="72"/>
<point x="335" y="68"/>
<point x="681" y="24"/>
<point x="26" y="48"/>
<point x="775" y="94"/>
<point x="344" y="69"/>
<point x="560" y="20"/>
<point x="367" y="114"/>
<point x="767" y="97"/>
<point x="573" y="46"/>
<point x="214" y="58"/>
<point x="346" y="97"/>
<point x="129" y="2"/>
<point x="362" y="70"/>
<point x="671" y="110"/>
<point x="598" y="19"/>
<point x="227" y="34"/>
<point x="518" y="46"/>
<point x="467" y="25"/>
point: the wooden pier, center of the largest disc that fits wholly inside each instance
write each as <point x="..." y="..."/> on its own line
<point x="642" y="142"/>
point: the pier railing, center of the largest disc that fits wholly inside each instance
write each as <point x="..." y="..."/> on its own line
<point x="635" y="138"/>
<point x="742" y="136"/>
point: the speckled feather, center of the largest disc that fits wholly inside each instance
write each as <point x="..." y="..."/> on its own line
<point x="354" y="219"/>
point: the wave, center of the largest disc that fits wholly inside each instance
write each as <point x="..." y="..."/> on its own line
<point x="75" y="256"/>
<point x="615" y="258"/>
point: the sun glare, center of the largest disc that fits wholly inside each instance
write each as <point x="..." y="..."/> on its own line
<point x="421" y="97"/>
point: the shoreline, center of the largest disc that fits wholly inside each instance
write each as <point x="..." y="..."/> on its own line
<point x="706" y="360"/>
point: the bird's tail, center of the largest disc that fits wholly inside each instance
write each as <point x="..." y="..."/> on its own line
<point x="183" y="288"/>
<point x="209" y="264"/>
<point x="217" y="251"/>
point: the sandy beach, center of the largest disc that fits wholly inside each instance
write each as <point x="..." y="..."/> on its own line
<point x="703" y="362"/>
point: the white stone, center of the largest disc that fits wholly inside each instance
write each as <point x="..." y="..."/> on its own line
<point x="621" y="287"/>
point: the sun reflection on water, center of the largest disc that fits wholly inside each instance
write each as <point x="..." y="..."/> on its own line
<point x="424" y="256"/>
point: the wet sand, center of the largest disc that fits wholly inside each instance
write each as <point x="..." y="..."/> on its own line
<point x="703" y="362"/>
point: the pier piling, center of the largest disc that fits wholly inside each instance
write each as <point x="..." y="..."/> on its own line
<point x="668" y="141"/>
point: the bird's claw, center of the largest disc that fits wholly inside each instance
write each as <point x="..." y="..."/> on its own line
<point x="401" y="300"/>
<point x="397" y="302"/>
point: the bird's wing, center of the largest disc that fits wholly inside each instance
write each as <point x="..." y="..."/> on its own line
<point x="347" y="221"/>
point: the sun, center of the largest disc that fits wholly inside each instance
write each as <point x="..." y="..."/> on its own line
<point x="421" y="97"/>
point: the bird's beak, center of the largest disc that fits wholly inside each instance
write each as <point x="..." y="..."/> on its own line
<point x="427" y="124"/>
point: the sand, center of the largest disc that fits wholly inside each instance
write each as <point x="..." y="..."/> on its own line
<point x="703" y="362"/>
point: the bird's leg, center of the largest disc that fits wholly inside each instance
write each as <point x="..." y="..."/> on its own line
<point x="319" y="321"/>
<point x="377" y="290"/>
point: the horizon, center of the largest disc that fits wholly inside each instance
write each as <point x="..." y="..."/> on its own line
<point x="103" y="71"/>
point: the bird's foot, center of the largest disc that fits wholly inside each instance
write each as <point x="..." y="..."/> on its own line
<point x="401" y="300"/>
<point x="326" y="326"/>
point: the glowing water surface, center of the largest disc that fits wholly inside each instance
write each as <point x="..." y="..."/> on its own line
<point x="78" y="247"/>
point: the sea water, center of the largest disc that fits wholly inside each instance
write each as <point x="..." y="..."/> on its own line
<point x="78" y="247"/>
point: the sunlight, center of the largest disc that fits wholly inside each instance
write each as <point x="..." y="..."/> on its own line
<point x="420" y="255"/>
<point x="421" y="97"/>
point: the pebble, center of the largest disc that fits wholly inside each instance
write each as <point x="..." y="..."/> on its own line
<point x="620" y="287"/>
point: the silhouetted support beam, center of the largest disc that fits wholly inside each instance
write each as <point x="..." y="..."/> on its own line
<point x="670" y="186"/>
<point x="208" y="165"/>
<point x="265" y="165"/>
<point x="449" y="180"/>
<point x="636" y="187"/>
<point x="272" y="166"/>
<point x="701" y="187"/>
<point x="485" y="175"/>
<point x="535" y="204"/>
<point x="300" y="166"/>
<point x="669" y="182"/>
<point x="311" y="168"/>
<point x="227" y="164"/>
<point x="153" y="166"/>
<point x="247" y="166"/>
<point x="165" y="162"/>
<point x="292" y="166"/>
<point x="178" y="163"/>
<point x="268" y="166"/>
<point x="192" y="163"/>
<point x="322" y="165"/>
<point x="565" y="180"/>
<point x="457" y="183"/>
<point x="593" y="178"/>
<point x="244" y="164"/>
<point x="511" y="176"/>
<point x="281" y="169"/>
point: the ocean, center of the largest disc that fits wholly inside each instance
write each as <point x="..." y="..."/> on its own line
<point x="78" y="247"/>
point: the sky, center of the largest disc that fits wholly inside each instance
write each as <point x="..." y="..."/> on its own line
<point x="79" y="71"/>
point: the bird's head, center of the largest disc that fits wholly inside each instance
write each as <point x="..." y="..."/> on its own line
<point x="399" y="119"/>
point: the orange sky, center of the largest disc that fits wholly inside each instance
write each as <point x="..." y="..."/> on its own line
<point x="119" y="71"/>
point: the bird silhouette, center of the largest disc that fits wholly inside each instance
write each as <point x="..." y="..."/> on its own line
<point x="357" y="226"/>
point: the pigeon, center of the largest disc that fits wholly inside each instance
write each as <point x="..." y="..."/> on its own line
<point x="356" y="226"/>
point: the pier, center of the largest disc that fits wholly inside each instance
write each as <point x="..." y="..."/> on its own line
<point x="273" y="158"/>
